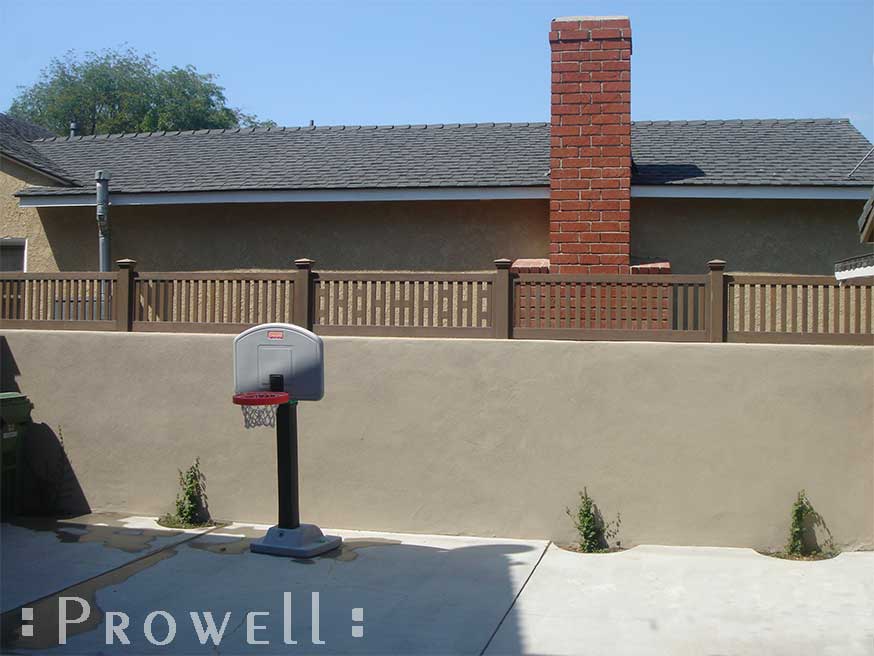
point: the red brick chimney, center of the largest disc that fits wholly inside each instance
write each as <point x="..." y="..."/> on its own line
<point x="590" y="152"/>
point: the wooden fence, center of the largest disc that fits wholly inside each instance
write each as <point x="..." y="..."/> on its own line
<point x="714" y="307"/>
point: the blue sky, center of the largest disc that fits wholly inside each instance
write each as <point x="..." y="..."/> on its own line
<point x="440" y="62"/>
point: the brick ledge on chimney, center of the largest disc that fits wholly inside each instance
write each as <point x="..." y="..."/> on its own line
<point x="531" y="265"/>
<point x="651" y="268"/>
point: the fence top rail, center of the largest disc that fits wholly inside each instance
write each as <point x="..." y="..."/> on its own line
<point x="595" y="278"/>
<point x="404" y="276"/>
<point x="778" y="279"/>
<point x="66" y="275"/>
<point x="215" y="275"/>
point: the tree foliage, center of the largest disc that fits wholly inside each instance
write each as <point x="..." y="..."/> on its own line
<point x="123" y="91"/>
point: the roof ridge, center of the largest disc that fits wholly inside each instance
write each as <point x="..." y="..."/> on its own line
<point x="742" y="121"/>
<point x="431" y="126"/>
<point x="302" y="128"/>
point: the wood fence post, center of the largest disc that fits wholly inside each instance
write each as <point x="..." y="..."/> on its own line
<point x="303" y="293"/>
<point x="718" y="313"/>
<point x="503" y="322"/>
<point x="124" y="295"/>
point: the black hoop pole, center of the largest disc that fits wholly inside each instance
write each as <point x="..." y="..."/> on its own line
<point x="286" y="459"/>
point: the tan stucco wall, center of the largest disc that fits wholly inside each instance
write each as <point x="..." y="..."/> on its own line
<point x="784" y="236"/>
<point x="692" y="443"/>
<point x="445" y="235"/>
<point x="21" y="222"/>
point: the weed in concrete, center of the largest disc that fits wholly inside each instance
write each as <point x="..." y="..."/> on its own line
<point x="594" y="532"/>
<point x="192" y="510"/>
<point x="803" y="543"/>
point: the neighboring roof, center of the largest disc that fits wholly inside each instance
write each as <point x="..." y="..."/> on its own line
<point x="800" y="152"/>
<point x="866" y="220"/>
<point x="22" y="129"/>
<point x="14" y="137"/>
<point x="861" y="266"/>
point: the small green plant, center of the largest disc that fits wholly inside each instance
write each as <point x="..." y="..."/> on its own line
<point x="802" y="530"/>
<point x="594" y="532"/>
<point x="191" y="502"/>
<point x="801" y="510"/>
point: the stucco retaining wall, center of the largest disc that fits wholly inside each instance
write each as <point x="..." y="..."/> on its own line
<point x="691" y="443"/>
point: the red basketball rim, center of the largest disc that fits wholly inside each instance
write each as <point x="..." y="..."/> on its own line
<point x="261" y="398"/>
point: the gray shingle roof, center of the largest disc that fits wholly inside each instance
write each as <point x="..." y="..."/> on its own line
<point x="472" y="155"/>
<point x="14" y="137"/>
<point x="750" y="152"/>
<point x="758" y="152"/>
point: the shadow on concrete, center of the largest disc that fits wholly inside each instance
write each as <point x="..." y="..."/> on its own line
<point x="417" y="598"/>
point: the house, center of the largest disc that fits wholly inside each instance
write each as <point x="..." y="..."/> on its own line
<point x="860" y="266"/>
<point x="588" y="192"/>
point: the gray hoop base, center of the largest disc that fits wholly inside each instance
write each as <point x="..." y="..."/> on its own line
<point x="305" y="541"/>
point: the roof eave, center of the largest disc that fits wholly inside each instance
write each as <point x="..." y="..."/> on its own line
<point x="27" y="198"/>
<point x="31" y="198"/>
<point x="38" y="169"/>
<point x="752" y="192"/>
<point x="866" y="220"/>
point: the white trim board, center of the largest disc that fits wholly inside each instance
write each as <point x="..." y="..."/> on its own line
<point x="291" y="196"/>
<point x="860" y="272"/>
<point x="439" y="193"/>
<point x="751" y="192"/>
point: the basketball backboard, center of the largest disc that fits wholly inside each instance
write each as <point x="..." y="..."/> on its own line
<point x="282" y="349"/>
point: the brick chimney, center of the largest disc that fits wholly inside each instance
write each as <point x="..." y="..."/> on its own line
<point x="590" y="151"/>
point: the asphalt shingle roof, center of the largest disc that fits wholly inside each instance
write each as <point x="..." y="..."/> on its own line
<point x="313" y="158"/>
<point x="751" y="152"/>
<point x="15" y="136"/>
<point x="747" y="152"/>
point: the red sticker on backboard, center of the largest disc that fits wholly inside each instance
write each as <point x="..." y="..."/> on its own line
<point x="275" y="334"/>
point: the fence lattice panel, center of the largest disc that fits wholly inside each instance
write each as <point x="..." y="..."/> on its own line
<point x="799" y="309"/>
<point x="218" y="302"/>
<point x="404" y="304"/>
<point x="58" y="300"/>
<point x="610" y="307"/>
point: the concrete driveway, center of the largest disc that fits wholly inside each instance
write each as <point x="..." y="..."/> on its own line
<point x="415" y="594"/>
<point x="381" y="594"/>
<point x="692" y="600"/>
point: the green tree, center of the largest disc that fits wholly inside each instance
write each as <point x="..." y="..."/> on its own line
<point x="123" y="91"/>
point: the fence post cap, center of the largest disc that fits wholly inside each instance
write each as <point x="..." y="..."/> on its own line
<point x="304" y="263"/>
<point x="503" y="263"/>
<point x="716" y="265"/>
<point x="126" y="264"/>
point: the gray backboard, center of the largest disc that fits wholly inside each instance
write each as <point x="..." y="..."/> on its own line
<point x="280" y="348"/>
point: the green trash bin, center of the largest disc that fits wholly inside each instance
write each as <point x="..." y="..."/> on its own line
<point x="14" y="419"/>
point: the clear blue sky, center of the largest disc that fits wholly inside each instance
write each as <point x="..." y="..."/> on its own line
<point x="439" y="62"/>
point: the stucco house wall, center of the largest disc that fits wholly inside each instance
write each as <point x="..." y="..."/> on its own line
<point x="23" y="222"/>
<point x="439" y="235"/>
<point x="779" y="236"/>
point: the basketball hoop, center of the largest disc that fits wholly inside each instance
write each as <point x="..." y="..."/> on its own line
<point x="259" y="408"/>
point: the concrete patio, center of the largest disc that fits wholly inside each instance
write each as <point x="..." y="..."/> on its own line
<point x="418" y="594"/>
